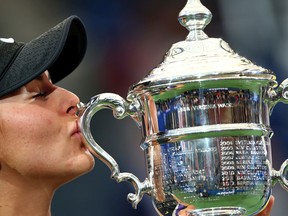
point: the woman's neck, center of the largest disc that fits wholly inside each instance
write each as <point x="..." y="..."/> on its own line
<point x="24" y="197"/>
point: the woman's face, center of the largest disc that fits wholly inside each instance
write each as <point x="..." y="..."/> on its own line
<point x="39" y="135"/>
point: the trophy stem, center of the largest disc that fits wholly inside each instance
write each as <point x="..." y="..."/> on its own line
<point x="195" y="17"/>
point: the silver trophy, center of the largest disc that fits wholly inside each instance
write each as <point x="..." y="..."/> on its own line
<point x="204" y="114"/>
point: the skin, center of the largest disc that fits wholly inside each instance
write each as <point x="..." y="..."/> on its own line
<point x="268" y="209"/>
<point x="265" y="212"/>
<point x="41" y="147"/>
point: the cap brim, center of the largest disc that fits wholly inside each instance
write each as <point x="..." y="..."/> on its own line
<point x="59" y="50"/>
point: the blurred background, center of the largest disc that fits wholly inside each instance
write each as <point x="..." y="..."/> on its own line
<point x="126" y="40"/>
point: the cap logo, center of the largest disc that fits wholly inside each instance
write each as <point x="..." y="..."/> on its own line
<point x="7" y="40"/>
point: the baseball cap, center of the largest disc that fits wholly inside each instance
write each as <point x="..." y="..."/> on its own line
<point x="59" y="50"/>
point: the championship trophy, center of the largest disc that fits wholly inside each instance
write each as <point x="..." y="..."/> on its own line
<point x="204" y="115"/>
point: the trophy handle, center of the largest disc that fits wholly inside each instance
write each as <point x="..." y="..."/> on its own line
<point x="120" y="109"/>
<point x="278" y="95"/>
<point x="281" y="176"/>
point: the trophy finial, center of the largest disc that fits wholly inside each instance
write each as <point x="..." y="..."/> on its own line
<point x="195" y="17"/>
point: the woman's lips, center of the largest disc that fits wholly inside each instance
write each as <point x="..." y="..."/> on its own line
<point x="76" y="129"/>
<point x="76" y="132"/>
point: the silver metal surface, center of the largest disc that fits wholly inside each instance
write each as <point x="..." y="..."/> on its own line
<point x="204" y="114"/>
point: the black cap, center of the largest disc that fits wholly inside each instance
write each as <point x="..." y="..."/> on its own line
<point x="59" y="50"/>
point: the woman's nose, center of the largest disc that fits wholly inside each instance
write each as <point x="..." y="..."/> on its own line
<point x="69" y="102"/>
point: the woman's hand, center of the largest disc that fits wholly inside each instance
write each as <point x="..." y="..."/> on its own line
<point x="268" y="208"/>
<point x="184" y="209"/>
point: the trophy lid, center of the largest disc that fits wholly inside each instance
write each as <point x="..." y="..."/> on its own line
<point x="199" y="57"/>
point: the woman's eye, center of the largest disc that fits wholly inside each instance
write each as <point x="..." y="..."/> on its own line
<point x="40" y="94"/>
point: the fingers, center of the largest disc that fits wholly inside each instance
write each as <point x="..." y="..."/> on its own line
<point x="267" y="210"/>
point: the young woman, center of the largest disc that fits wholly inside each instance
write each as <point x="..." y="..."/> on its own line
<point x="40" y="144"/>
<point x="41" y="147"/>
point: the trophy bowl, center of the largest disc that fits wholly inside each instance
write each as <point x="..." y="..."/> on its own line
<point x="204" y="116"/>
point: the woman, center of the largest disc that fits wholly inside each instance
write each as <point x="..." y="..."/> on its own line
<point x="41" y="147"/>
<point x="40" y="144"/>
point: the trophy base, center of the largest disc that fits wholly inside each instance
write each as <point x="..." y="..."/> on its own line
<point x="223" y="211"/>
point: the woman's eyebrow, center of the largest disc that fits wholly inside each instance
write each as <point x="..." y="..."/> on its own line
<point x="41" y="77"/>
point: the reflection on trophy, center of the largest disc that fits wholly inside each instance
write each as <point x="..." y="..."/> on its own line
<point x="204" y="115"/>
